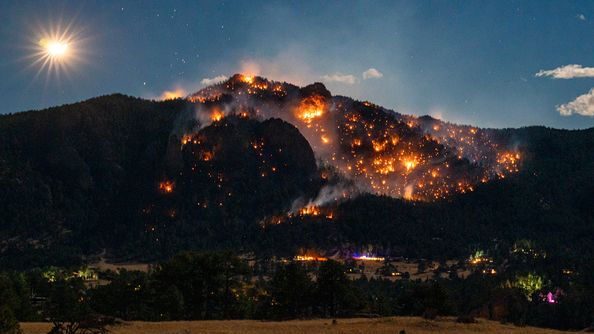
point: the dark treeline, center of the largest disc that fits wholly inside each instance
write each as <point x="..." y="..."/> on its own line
<point x="82" y="179"/>
<point x="194" y="286"/>
<point x="79" y="179"/>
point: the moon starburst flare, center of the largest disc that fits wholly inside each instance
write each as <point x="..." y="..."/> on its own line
<point x="56" y="50"/>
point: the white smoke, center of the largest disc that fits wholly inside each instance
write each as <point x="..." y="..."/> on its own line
<point x="331" y="193"/>
<point x="215" y="80"/>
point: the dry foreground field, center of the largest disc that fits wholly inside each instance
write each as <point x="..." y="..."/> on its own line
<point x="391" y="325"/>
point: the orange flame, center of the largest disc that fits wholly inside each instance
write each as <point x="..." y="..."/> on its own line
<point x="410" y="163"/>
<point x="247" y="79"/>
<point x="186" y="139"/>
<point x="310" y="108"/>
<point x="173" y="94"/>
<point x="309" y="211"/>
<point x="216" y="115"/>
<point x="207" y="156"/>
<point x="166" y="187"/>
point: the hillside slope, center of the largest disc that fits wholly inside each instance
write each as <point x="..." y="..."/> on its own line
<point x="258" y="166"/>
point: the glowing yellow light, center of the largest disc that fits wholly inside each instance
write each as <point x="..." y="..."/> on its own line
<point x="217" y="115"/>
<point x="309" y="258"/>
<point x="53" y="48"/>
<point x="409" y="164"/>
<point x="310" y="108"/>
<point x="173" y="94"/>
<point x="57" y="49"/>
<point x="247" y="79"/>
<point x="166" y="187"/>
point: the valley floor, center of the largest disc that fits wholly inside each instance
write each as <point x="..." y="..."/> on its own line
<point x="390" y="325"/>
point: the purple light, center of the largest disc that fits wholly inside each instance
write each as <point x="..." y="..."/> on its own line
<point x="551" y="298"/>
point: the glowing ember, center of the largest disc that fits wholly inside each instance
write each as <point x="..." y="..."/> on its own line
<point x="166" y="187"/>
<point x="378" y="146"/>
<point x="409" y="163"/>
<point x="490" y="271"/>
<point x="186" y="139"/>
<point x="207" y="156"/>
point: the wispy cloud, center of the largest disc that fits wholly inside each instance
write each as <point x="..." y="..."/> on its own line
<point x="290" y="65"/>
<point x="568" y="72"/>
<point x="372" y="73"/>
<point x="348" y="79"/>
<point x="173" y="94"/>
<point x="582" y="105"/>
<point x="211" y="81"/>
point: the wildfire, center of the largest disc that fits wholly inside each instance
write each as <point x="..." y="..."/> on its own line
<point x="408" y="192"/>
<point x="186" y="139"/>
<point x="379" y="146"/>
<point x="166" y="187"/>
<point x="310" y="108"/>
<point x="247" y="79"/>
<point x="309" y="211"/>
<point x="385" y="153"/>
<point x="409" y="163"/>
<point x="314" y="211"/>
<point x="278" y="90"/>
<point x="207" y="156"/>
<point x="173" y="94"/>
<point x="216" y="115"/>
<point x="509" y="162"/>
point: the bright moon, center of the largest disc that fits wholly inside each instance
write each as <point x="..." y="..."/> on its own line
<point x="57" y="50"/>
<point x="54" y="49"/>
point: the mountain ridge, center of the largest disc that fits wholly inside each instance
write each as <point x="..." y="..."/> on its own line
<point x="75" y="180"/>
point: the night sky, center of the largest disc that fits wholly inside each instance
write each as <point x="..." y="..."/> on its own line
<point x="487" y="63"/>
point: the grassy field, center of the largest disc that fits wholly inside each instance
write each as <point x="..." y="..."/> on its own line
<point x="391" y="325"/>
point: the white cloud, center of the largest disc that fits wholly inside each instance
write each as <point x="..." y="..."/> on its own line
<point x="212" y="81"/>
<point x="581" y="17"/>
<point x="582" y="105"/>
<point x="372" y="73"/>
<point x="568" y="72"/>
<point x="340" y="78"/>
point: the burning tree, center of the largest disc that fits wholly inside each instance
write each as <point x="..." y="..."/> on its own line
<point x="382" y="151"/>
